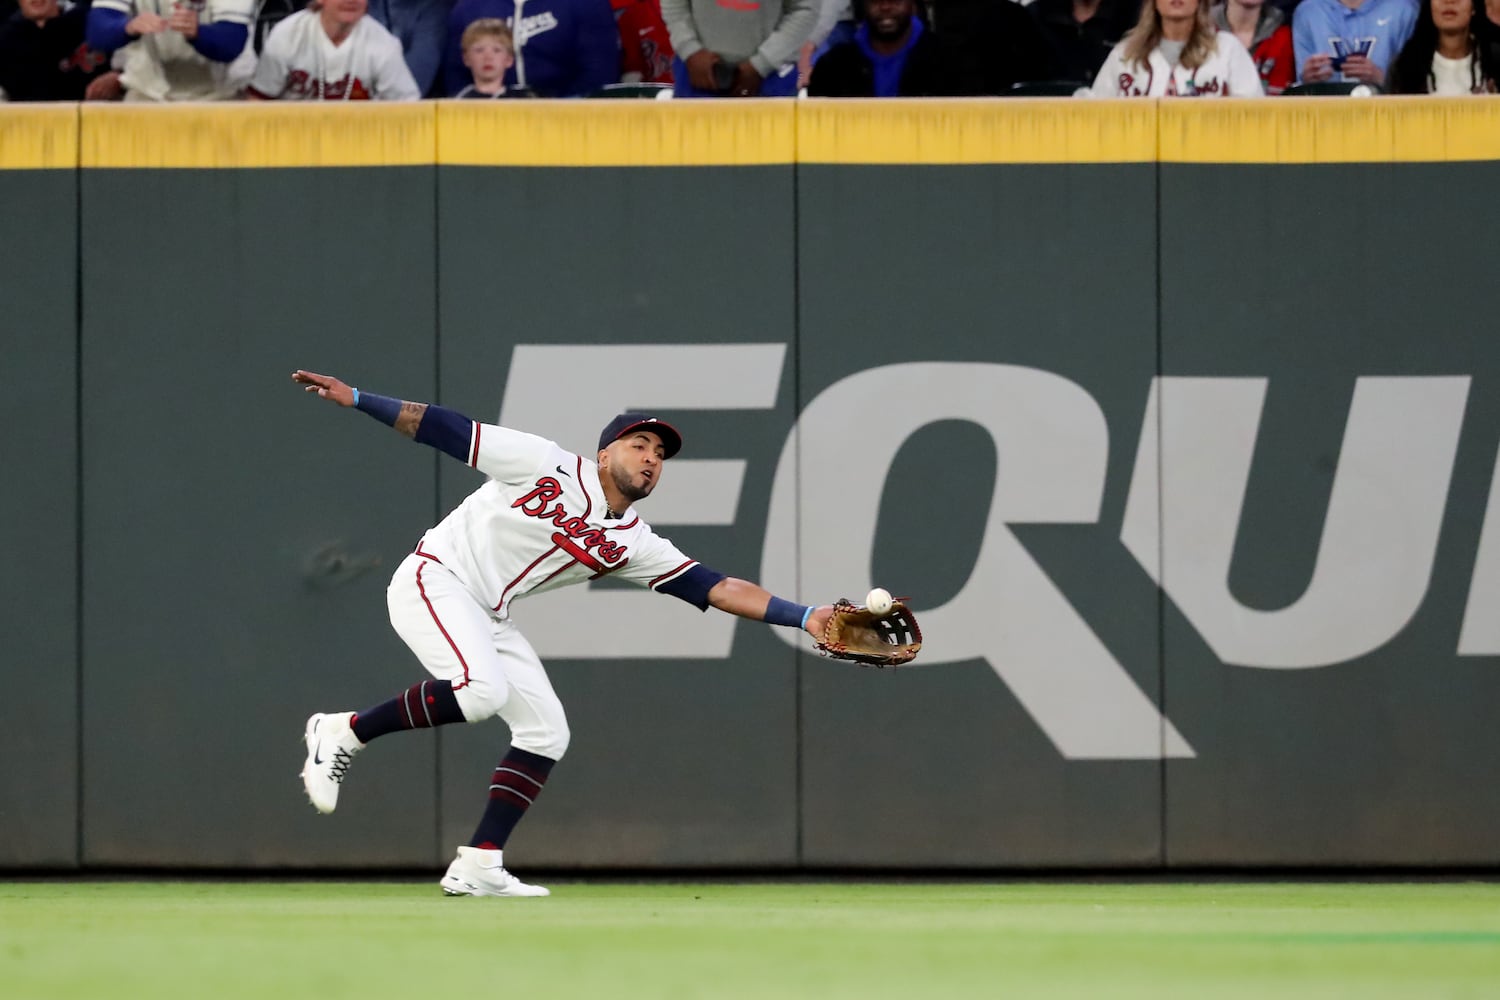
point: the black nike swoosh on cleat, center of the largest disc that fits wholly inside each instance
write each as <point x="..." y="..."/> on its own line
<point x="560" y="469"/>
<point x="317" y="746"/>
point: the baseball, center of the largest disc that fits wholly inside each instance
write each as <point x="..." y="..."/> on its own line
<point x="878" y="600"/>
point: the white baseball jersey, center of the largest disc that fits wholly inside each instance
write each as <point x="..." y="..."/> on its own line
<point x="1228" y="72"/>
<point x="540" y="524"/>
<point x="300" y="63"/>
<point x="165" y="66"/>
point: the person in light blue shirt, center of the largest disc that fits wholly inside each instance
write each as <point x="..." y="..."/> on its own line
<point x="1352" y="40"/>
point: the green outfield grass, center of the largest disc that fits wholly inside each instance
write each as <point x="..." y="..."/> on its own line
<point x="282" y="940"/>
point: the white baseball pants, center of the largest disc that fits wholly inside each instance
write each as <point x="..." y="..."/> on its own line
<point x="493" y="668"/>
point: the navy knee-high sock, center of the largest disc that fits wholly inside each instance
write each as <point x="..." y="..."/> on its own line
<point x="517" y="781"/>
<point x="421" y="706"/>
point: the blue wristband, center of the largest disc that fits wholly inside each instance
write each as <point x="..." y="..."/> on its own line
<point x="780" y="612"/>
<point x="356" y="398"/>
<point x="806" y="615"/>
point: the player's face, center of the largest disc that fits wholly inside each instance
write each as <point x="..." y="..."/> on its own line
<point x="488" y="59"/>
<point x="1451" y="15"/>
<point x="635" y="464"/>
<point x="889" y="19"/>
<point x="346" y="11"/>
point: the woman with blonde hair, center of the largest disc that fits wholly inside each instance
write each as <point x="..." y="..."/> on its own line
<point x="1175" y="50"/>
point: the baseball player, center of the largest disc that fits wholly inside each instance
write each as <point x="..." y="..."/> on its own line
<point x="545" y="518"/>
<point x="333" y="53"/>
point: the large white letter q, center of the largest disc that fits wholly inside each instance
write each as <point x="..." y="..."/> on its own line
<point x="1053" y="447"/>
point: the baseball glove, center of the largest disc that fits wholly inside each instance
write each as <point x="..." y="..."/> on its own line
<point x="857" y="633"/>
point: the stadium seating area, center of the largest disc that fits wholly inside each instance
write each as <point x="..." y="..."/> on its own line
<point x="210" y="49"/>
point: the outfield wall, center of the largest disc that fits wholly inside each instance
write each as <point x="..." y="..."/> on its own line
<point x="1171" y="417"/>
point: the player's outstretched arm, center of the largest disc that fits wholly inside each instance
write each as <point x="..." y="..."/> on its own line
<point x="743" y="598"/>
<point x="444" y="429"/>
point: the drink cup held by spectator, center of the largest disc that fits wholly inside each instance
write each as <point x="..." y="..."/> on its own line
<point x="43" y="55"/>
<point x="1350" y="40"/>
<point x="332" y="53"/>
<point x="1175" y="51"/>
<point x="184" y="50"/>
<point x="489" y="54"/>
<point x="1445" y="54"/>
<point x="1263" y="29"/>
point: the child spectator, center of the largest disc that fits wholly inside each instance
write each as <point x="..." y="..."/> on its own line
<point x="1174" y="50"/>
<point x="43" y="56"/>
<point x="333" y="53"/>
<point x="1444" y="54"/>
<point x="1262" y="28"/>
<point x="564" y="48"/>
<point x="488" y="52"/>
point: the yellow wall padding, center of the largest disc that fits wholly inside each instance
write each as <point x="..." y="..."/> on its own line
<point x="1330" y="130"/>
<point x="38" y="136"/>
<point x="1031" y="130"/>
<point x="617" y="133"/>
<point x="259" y="134"/>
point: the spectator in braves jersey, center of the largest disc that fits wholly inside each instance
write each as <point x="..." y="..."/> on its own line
<point x="564" y="48"/>
<point x="645" y="46"/>
<point x="545" y="519"/>
<point x="1445" y="54"/>
<point x="1174" y="50"/>
<point x="488" y="53"/>
<point x="735" y="49"/>
<point x="43" y="56"/>
<point x="1352" y="40"/>
<point x="184" y="50"/>
<point x="1261" y="28"/>
<point x="333" y="53"/>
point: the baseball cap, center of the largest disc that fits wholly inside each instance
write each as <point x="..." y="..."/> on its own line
<point x="625" y="423"/>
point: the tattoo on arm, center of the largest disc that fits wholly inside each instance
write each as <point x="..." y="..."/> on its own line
<point x="409" y="417"/>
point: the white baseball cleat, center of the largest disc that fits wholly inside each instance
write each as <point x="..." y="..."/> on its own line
<point x="477" y="872"/>
<point x="331" y="746"/>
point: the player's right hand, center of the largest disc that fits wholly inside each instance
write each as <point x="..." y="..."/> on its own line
<point x="325" y="386"/>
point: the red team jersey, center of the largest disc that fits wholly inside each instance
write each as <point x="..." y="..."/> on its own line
<point x="644" y="42"/>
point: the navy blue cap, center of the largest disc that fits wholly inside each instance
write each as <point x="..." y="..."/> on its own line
<point x="627" y="423"/>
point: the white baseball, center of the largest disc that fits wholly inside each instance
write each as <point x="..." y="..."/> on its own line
<point x="879" y="600"/>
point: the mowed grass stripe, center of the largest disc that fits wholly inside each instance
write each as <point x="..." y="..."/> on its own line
<point x="66" y="939"/>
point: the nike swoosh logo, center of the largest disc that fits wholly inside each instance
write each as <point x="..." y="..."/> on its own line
<point x="561" y="470"/>
<point x="318" y="746"/>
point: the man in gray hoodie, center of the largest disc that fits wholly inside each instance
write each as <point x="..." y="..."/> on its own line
<point x="737" y="48"/>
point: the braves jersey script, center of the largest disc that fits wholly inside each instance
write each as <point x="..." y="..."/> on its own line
<point x="1227" y="72"/>
<point x="301" y="63"/>
<point x="166" y="66"/>
<point x="539" y="524"/>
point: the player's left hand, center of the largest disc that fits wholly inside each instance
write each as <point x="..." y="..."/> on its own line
<point x="817" y="620"/>
<point x="184" y="20"/>
<point x="325" y="386"/>
<point x="746" y="80"/>
<point x="1362" y="69"/>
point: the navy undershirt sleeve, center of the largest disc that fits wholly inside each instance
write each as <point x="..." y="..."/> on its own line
<point x="693" y="586"/>
<point x="447" y="431"/>
<point x="221" y="41"/>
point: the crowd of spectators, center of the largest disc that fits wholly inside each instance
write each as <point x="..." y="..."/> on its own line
<point x="195" y="50"/>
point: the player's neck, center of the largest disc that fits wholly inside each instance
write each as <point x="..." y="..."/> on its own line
<point x="617" y="502"/>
